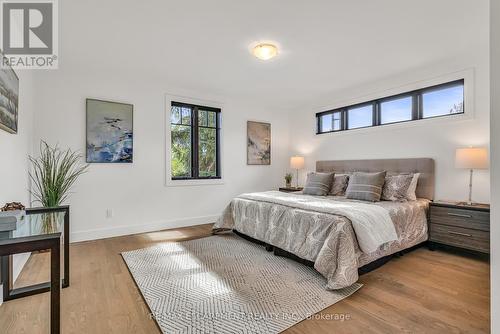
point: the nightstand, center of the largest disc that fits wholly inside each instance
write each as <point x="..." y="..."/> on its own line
<point x="462" y="226"/>
<point x="290" y="190"/>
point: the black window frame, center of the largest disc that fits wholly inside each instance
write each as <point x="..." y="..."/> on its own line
<point x="195" y="126"/>
<point x="342" y="120"/>
<point x="416" y="112"/>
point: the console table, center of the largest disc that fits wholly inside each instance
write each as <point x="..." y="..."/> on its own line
<point x="41" y="229"/>
<point x="37" y="222"/>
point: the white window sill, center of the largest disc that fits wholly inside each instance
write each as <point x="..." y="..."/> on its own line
<point x="193" y="183"/>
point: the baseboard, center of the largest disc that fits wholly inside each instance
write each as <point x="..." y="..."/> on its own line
<point x="117" y="231"/>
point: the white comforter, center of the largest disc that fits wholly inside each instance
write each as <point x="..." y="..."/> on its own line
<point x="372" y="224"/>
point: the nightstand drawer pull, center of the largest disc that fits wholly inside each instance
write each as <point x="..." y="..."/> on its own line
<point x="458" y="233"/>
<point x="459" y="215"/>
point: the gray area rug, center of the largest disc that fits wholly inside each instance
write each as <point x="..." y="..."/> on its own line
<point x="225" y="284"/>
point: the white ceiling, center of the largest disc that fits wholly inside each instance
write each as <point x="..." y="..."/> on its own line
<point x="324" y="45"/>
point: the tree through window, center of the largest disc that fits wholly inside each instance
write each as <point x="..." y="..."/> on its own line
<point x="195" y="141"/>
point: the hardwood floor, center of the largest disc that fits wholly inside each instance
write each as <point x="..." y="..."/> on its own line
<point x="421" y="292"/>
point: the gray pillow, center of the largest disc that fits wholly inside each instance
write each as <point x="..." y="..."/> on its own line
<point x="318" y="184"/>
<point x="396" y="187"/>
<point x="366" y="186"/>
<point x="340" y="182"/>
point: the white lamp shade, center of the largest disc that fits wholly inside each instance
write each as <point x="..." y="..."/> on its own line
<point x="297" y="162"/>
<point x="471" y="158"/>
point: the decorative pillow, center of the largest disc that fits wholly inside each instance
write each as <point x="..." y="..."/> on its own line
<point x="396" y="187"/>
<point x="318" y="184"/>
<point x="411" y="195"/>
<point x="365" y="186"/>
<point x="340" y="182"/>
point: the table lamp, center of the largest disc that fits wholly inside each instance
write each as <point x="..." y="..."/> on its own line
<point x="297" y="162"/>
<point x="471" y="158"/>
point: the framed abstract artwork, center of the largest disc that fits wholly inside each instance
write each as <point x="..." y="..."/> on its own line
<point x="110" y="134"/>
<point x="9" y="98"/>
<point x="258" y="143"/>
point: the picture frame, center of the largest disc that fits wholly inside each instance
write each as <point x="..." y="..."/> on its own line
<point x="258" y="143"/>
<point x="9" y="98"/>
<point x="109" y="131"/>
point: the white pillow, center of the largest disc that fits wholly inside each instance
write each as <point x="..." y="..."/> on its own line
<point x="410" y="194"/>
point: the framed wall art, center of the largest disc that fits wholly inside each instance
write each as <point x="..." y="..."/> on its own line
<point x="258" y="143"/>
<point x="110" y="134"/>
<point x="9" y="98"/>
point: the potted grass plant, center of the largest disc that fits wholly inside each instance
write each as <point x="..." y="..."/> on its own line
<point x="53" y="174"/>
<point x="288" y="180"/>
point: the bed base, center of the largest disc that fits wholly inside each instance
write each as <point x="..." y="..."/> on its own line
<point x="362" y="270"/>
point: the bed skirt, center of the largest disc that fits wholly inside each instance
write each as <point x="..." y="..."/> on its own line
<point x="361" y="270"/>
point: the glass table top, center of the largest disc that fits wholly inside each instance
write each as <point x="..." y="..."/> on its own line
<point x="37" y="224"/>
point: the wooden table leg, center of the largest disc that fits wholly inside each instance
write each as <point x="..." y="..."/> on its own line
<point x="55" y="288"/>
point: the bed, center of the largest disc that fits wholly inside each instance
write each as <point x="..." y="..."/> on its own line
<point x="338" y="236"/>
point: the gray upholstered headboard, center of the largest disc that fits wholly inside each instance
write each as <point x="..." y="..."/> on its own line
<point x="424" y="166"/>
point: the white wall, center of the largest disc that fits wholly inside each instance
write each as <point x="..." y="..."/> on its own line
<point x="14" y="150"/>
<point x="495" y="165"/>
<point x="118" y="62"/>
<point x="136" y="192"/>
<point x="437" y="138"/>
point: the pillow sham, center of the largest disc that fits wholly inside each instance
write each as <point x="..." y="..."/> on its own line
<point x="318" y="184"/>
<point x="411" y="195"/>
<point x="366" y="186"/>
<point x="339" y="186"/>
<point x="396" y="187"/>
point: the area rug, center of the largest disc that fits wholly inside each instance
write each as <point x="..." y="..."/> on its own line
<point x="225" y="284"/>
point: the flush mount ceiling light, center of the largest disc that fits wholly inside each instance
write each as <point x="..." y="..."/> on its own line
<point x="265" y="51"/>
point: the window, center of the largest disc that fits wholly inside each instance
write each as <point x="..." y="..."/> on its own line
<point x="444" y="101"/>
<point x="195" y="141"/>
<point x="331" y="122"/>
<point x="435" y="101"/>
<point x="360" y="117"/>
<point x="396" y="110"/>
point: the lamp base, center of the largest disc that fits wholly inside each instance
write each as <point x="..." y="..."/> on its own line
<point x="297" y="179"/>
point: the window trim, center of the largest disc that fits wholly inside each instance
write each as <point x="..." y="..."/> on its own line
<point x="417" y="113"/>
<point x="202" y="181"/>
